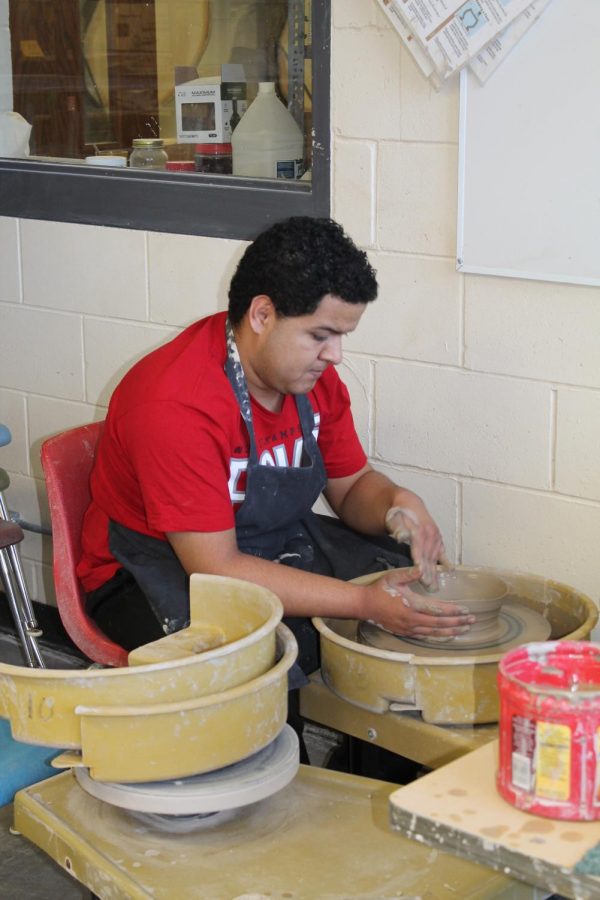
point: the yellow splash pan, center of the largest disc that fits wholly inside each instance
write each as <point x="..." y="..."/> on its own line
<point x="128" y="743"/>
<point x="235" y="619"/>
<point x="447" y="688"/>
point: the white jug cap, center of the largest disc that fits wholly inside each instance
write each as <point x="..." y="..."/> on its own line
<point x="108" y="161"/>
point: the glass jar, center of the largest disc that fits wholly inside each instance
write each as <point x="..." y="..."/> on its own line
<point x="148" y="153"/>
<point x="213" y="159"/>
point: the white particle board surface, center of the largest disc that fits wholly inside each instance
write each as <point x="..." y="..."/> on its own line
<point x="459" y="808"/>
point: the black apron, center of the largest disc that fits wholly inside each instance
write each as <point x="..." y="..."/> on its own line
<point x="269" y="523"/>
<point x="275" y="522"/>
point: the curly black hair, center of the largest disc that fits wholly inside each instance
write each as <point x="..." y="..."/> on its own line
<point x="297" y="262"/>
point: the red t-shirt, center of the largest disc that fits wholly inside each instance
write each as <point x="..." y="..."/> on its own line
<point x="174" y="448"/>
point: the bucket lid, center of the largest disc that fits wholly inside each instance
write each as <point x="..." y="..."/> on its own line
<point x="213" y="148"/>
<point x="180" y="165"/>
<point x="114" y="162"/>
<point x="147" y="142"/>
<point x="557" y="667"/>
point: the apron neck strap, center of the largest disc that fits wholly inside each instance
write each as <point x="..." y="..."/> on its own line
<point x="235" y="373"/>
<point x="237" y="379"/>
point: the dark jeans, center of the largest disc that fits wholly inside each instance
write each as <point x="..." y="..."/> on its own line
<point x="121" y="610"/>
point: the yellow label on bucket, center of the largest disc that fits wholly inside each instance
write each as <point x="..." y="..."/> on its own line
<point x="597" y="775"/>
<point x="553" y="761"/>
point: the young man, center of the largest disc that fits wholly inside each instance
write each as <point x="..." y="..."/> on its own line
<point x="217" y="445"/>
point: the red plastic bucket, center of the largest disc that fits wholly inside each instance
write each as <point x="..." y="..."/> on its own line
<point x="549" y="728"/>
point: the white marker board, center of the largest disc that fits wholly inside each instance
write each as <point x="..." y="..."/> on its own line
<point x="529" y="154"/>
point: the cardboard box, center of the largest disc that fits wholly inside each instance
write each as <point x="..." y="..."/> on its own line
<point x="205" y="108"/>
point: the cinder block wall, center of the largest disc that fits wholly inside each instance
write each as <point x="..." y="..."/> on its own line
<point x="482" y="394"/>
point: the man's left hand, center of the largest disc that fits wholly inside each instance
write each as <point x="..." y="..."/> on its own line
<point x="413" y="525"/>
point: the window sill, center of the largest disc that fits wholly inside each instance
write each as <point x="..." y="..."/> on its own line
<point x="215" y="206"/>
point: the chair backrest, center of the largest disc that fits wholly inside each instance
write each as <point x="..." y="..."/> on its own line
<point x="67" y="461"/>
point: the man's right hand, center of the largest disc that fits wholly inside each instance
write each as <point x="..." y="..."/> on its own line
<point x="390" y="604"/>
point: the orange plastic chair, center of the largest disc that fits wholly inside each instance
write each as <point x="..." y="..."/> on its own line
<point x="67" y="461"/>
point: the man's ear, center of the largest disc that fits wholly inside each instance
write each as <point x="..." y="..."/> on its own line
<point x="261" y="313"/>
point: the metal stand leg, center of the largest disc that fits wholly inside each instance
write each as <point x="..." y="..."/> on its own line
<point x="12" y="576"/>
<point x="30" y="620"/>
<point x="15" y="587"/>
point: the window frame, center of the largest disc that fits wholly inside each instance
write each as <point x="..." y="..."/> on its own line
<point x="180" y="203"/>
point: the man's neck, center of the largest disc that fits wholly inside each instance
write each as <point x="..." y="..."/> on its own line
<point x="268" y="397"/>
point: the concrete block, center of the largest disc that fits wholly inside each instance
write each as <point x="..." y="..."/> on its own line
<point x="355" y="14"/>
<point x="10" y="284"/>
<point x="85" y="268"/>
<point x="417" y="312"/>
<point x="416" y="196"/>
<point x="439" y="494"/>
<point x="426" y="114"/>
<point x="31" y="580"/>
<point x="40" y="352"/>
<point x="353" y="189"/>
<point x="28" y="498"/>
<point x="40" y="581"/>
<point x="542" y="534"/>
<point x="577" y="442"/>
<point x="47" y="417"/>
<point x="44" y="581"/>
<point x="14" y="457"/>
<point x="533" y="329"/>
<point x="355" y="372"/>
<point x="111" y="348"/>
<point x="450" y="421"/>
<point x="189" y="276"/>
<point x="365" y="98"/>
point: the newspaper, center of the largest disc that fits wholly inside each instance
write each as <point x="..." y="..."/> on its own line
<point x="391" y="9"/>
<point x="487" y="61"/>
<point x="445" y="35"/>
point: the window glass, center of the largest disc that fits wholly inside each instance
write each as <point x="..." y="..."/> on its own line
<point x="97" y="81"/>
<point x="202" y="87"/>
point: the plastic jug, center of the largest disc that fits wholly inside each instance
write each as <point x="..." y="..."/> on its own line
<point x="267" y="143"/>
<point x="14" y="135"/>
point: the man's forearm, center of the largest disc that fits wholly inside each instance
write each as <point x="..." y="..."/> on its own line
<point x="387" y="600"/>
<point x="302" y="593"/>
<point x="365" y="505"/>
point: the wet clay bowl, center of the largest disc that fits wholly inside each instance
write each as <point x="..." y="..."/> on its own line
<point x="481" y="593"/>
<point x="446" y="684"/>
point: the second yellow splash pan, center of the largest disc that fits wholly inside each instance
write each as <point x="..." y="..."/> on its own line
<point x="191" y="702"/>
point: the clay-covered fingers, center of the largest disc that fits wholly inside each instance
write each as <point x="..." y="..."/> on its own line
<point x="403" y="576"/>
<point x="444" y="559"/>
<point x="422" y="624"/>
<point x="435" y="618"/>
<point x="432" y="607"/>
<point x="424" y="537"/>
<point x="393" y="606"/>
<point x="427" y="548"/>
<point x="401" y="524"/>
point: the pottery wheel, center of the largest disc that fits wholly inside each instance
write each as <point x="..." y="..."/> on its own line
<point x="517" y="624"/>
<point x="252" y="779"/>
